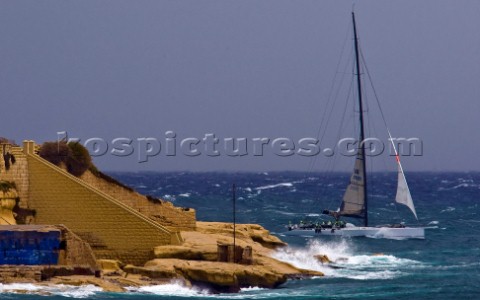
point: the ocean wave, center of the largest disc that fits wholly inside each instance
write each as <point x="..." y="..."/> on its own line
<point x="304" y="257"/>
<point x="377" y="275"/>
<point x="272" y="186"/>
<point x="458" y="186"/>
<point x="378" y="261"/>
<point x="82" y="291"/>
<point x="287" y="213"/>
<point x="386" y="237"/>
<point x="169" y="197"/>
<point x="185" y="195"/>
<point x="251" y="289"/>
<point x="345" y="264"/>
<point x="169" y="289"/>
<point x="448" y="209"/>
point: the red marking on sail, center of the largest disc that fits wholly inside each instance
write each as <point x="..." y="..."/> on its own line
<point x="397" y="158"/>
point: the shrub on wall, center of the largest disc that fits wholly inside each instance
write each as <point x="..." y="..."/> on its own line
<point x="75" y="156"/>
<point x="6" y="186"/>
<point x="54" y="152"/>
<point x="79" y="159"/>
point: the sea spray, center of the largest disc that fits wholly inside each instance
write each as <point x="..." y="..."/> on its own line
<point x="346" y="263"/>
<point x="170" y="289"/>
<point x="305" y="257"/>
<point x="82" y="291"/>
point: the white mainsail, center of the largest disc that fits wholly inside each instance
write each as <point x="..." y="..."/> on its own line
<point x="354" y="199"/>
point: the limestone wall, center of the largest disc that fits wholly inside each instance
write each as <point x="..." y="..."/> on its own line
<point x="74" y="251"/>
<point x="113" y="229"/>
<point x="163" y="212"/>
<point x="17" y="173"/>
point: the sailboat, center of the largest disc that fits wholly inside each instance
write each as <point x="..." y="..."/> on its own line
<point x="355" y="199"/>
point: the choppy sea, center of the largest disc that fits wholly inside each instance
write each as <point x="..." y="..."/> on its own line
<point x="445" y="265"/>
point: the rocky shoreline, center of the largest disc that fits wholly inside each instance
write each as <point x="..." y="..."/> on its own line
<point x="194" y="263"/>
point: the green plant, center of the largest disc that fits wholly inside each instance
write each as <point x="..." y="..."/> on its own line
<point x="6" y="186"/>
<point x="54" y="152"/>
<point x="79" y="160"/>
<point x="75" y="156"/>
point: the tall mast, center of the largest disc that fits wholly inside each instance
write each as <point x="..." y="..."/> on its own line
<point x="234" y="222"/>
<point x="362" y="130"/>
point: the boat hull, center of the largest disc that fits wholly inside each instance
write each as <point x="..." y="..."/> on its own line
<point x="375" y="232"/>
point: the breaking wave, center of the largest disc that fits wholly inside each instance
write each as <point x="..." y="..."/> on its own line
<point x="448" y="209"/>
<point x="272" y="186"/>
<point x="70" y="291"/>
<point x="169" y="289"/>
<point x="467" y="184"/>
<point x="345" y="264"/>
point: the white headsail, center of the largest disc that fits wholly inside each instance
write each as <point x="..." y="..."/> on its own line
<point x="403" y="192"/>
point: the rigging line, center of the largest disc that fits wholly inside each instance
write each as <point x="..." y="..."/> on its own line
<point x="381" y="113"/>
<point x="331" y="163"/>
<point x="342" y="120"/>
<point x="350" y="95"/>
<point x="385" y="122"/>
<point x="329" y="98"/>
<point x="337" y="71"/>
<point x="339" y="133"/>
<point x="374" y="91"/>
<point x="373" y="129"/>
<point x="396" y="210"/>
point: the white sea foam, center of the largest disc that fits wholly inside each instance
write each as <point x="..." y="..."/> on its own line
<point x="466" y="184"/>
<point x="186" y="195"/>
<point x="251" y="289"/>
<point x="433" y="223"/>
<point x="169" y="197"/>
<point x="345" y="263"/>
<point x="71" y="291"/>
<point x="272" y="186"/>
<point x="377" y="275"/>
<point x="448" y="209"/>
<point x="169" y="289"/>
<point x="304" y="257"/>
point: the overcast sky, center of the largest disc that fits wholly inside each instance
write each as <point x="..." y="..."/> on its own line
<point x="137" y="69"/>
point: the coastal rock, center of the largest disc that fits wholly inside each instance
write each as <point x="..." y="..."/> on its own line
<point x="189" y="253"/>
<point x="111" y="267"/>
<point x="253" y="232"/>
<point x="322" y="258"/>
<point x="219" y="276"/>
<point x="196" y="259"/>
<point x="164" y="271"/>
<point x="79" y="280"/>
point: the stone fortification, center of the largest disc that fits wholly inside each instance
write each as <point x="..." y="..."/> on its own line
<point x="116" y="222"/>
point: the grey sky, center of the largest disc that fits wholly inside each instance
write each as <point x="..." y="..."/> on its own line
<point x="237" y="69"/>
